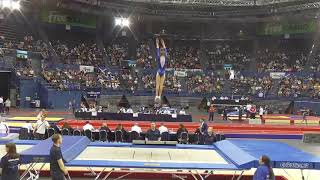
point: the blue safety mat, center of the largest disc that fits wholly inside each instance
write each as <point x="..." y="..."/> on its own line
<point x="71" y="147"/>
<point x="281" y="154"/>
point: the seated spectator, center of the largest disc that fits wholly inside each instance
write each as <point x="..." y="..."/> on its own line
<point x="182" y="111"/>
<point x="210" y="137"/>
<point x="136" y="128"/>
<point x="163" y="128"/>
<point x="28" y="126"/>
<point x="181" y="129"/>
<point x="129" y="110"/>
<point x="88" y="126"/>
<point x="153" y="134"/>
<point x="105" y="127"/>
<point x="66" y="125"/>
<point x="120" y="127"/>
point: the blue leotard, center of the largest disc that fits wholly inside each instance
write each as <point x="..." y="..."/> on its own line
<point x="161" y="69"/>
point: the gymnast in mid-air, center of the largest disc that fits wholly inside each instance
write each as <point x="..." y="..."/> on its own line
<point x="162" y="58"/>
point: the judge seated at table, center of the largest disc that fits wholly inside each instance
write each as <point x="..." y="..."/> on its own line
<point x="105" y="127"/>
<point x="88" y="126"/>
<point x="153" y="134"/>
<point x="163" y="128"/>
<point x="210" y="137"/>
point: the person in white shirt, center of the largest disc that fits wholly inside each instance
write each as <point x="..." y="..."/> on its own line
<point x="42" y="111"/>
<point x="248" y="107"/>
<point x="129" y="110"/>
<point x="162" y="128"/>
<point x="182" y="111"/>
<point x="4" y="128"/>
<point x="122" y="110"/>
<point x="41" y="127"/>
<point x="28" y="126"/>
<point x="7" y="105"/>
<point x="1" y="104"/>
<point x="88" y="126"/>
<point x="136" y="128"/>
<point x="261" y="111"/>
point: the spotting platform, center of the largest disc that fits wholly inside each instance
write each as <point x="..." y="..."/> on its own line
<point x="227" y="155"/>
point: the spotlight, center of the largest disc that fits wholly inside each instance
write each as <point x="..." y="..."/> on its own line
<point x="118" y="21"/>
<point x="15" y="5"/>
<point x="125" y="22"/>
<point x="6" y="3"/>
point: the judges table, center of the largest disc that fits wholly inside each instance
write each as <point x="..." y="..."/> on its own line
<point x="133" y="117"/>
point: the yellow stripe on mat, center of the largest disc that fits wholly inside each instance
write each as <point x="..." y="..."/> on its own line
<point x="51" y="119"/>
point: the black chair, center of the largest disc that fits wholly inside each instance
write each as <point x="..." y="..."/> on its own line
<point x="184" y="138"/>
<point x="24" y="134"/>
<point x="103" y="135"/>
<point x="77" y="132"/>
<point x="65" y="132"/>
<point x="134" y="135"/>
<point x="88" y="133"/>
<point x="51" y="132"/>
<point x="118" y="136"/>
<point x="165" y="136"/>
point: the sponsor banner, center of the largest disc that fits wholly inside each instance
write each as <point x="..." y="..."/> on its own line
<point x="277" y="75"/>
<point x="93" y="92"/>
<point x="86" y="68"/>
<point x="180" y="73"/>
<point x="67" y="17"/>
<point x="295" y="165"/>
<point x="279" y="28"/>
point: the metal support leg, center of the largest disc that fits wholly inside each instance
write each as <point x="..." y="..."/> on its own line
<point x="123" y="176"/>
<point x="234" y="175"/>
<point x="240" y="176"/>
<point x="199" y="175"/>
<point x="108" y="174"/>
<point x="176" y="176"/>
<point x="98" y="176"/>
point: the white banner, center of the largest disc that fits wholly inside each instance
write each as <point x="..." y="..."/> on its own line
<point x="277" y="75"/>
<point x="86" y="68"/>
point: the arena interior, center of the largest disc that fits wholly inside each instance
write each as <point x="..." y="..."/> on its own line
<point x="162" y="89"/>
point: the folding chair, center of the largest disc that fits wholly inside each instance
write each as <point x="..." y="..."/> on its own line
<point x="51" y="132"/>
<point x="77" y="132"/>
<point x="103" y="136"/>
<point x="134" y="135"/>
<point x="88" y="133"/>
<point x="65" y="132"/>
<point x="118" y="136"/>
<point x="165" y="136"/>
<point x="184" y="138"/>
<point x="23" y="134"/>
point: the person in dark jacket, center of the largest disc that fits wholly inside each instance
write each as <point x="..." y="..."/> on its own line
<point x="10" y="163"/>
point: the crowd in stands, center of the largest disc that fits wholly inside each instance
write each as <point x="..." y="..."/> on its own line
<point x="202" y="83"/>
<point x="144" y="55"/>
<point x="220" y="54"/>
<point x="184" y="57"/>
<point x="84" y="53"/>
<point x="251" y="85"/>
<point x="299" y="87"/>
<point x="117" y="51"/>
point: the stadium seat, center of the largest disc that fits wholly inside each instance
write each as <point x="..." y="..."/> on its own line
<point x="88" y="133"/>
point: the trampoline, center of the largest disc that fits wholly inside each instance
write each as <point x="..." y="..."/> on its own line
<point x="232" y="155"/>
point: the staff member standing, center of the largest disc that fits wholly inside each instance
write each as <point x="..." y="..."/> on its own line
<point x="41" y="127"/>
<point x="211" y="112"/>
<point x="10" y="163"/>
<point x="57" y="168"/>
